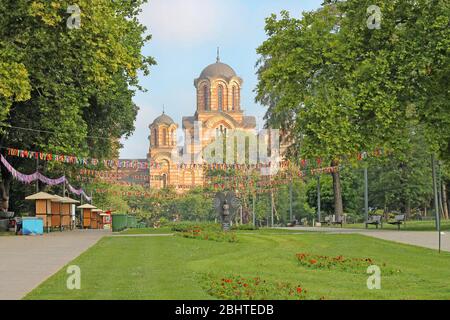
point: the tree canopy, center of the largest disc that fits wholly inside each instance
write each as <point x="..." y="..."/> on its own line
<point x="73" y="87"/>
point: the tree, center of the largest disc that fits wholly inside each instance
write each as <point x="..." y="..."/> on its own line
<point x="339" y="87"/>
<point x="73" y="87"/>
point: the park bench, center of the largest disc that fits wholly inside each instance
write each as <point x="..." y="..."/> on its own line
<point x="326" y="220"/>
<point x="398" y="220"/>
<point x="332" y="220"/>
<point x="375" y="220"/>
<point x="293" y="223"/>
<point x="336" y="221"/>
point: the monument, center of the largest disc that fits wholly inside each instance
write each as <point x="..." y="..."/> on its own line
<point x="226" y="205"/>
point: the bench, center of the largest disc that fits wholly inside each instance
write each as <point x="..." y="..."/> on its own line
<point x="398" y="220"/>
<point x="339" y="220"/>
<point x="326" y="220"/>
<point x="292" y="223"/>
<point x="332" y="220"/>
<point x="375" y="220"/>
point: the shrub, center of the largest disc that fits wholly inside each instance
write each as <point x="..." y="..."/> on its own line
<point x="247" y="226"/>
<point x="186" y="226"/>
<point x="218" y="236"/>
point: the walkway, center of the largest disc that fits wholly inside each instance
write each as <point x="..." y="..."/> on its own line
<point x="427" y="239"/>
<point x="26" y="261"/>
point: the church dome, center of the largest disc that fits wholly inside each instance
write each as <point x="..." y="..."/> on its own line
<point x="218" y="70"/>
<point x="163" y="119"/>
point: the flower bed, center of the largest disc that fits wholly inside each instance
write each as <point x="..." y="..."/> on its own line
<point x="240" y="288"/>
<point x="219" y="236"/>
<point x="356" y="265"/>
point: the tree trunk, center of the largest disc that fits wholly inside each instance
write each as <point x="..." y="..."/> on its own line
<point x="408" y="209"/>
<point x="5" y="185"/>
<point x="338" y="206"/>
<point x="444" y="201"/>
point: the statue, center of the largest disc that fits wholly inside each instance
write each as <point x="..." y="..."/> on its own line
<point x="226" y="205"/>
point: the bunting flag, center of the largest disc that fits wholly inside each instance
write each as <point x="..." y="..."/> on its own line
<point x="142" y="165"/>
<point x="27" y="179"/>
<point x="44" y="156"/>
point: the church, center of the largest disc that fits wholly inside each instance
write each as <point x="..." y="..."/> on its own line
<point x="218" y="90"/>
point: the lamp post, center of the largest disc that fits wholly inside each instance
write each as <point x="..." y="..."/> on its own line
<point x="366" y="194"/>
<point x="290" y="201"/>
<point x="318" y="200"/>
<point x="436" y="200"/>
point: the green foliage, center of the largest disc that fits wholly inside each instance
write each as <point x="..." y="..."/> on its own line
<point x="246" y="226"/>
<point x="187" y="226"/>
<point x="194" y="206"/>
<point x="339" y="87"/>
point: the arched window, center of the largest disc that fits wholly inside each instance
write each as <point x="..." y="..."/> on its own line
<point x="220" y="97"/>
<point x="205" y="98"/>
<point x="233" y="100"/>
<point x="155" y="137"/>
<point x="164" y="180"/>
<point x="173" y="137"/>
<point x="164" y="138"/>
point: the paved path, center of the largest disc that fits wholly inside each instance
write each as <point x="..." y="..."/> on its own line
<point x="26" y="261"/>
<point x="427" y="239"/>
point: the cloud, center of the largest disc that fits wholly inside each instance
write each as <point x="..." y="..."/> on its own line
<point x="187" y="22"/>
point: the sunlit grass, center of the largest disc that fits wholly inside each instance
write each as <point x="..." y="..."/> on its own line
<point x="176" y="268"/>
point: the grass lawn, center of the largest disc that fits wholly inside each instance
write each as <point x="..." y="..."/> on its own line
<point x="7" y="233"/>
<point x="410" y="226"/>
<point x="174" y="267"/>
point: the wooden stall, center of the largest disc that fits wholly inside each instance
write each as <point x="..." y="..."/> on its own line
<point x="95" y="218"/>
<point x="67" y="212"/>
<point x="86" y="214"/>
<point x="56" y="213"/>
<point x="43" y="208"/>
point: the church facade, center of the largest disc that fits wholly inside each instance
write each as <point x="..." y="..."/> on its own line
<point x="218" y="110"/>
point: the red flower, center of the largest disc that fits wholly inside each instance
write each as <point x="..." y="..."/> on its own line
<point x="299" y="290"/>
<point x="245" y="285"/>
<point x="313" y="261"/>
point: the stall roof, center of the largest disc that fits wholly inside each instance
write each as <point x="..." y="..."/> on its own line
<point x="97" y="210"/>
<point x="57" y="199"/>
<point x="87" y="206"/>
<point x="69" y="200"/>
<point x="41" y="196"/>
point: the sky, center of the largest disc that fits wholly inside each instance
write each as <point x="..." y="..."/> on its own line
<point x="186" y="34"/>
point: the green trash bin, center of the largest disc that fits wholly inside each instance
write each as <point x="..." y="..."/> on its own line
<point x="131" y="222"/>
<point x="119" y="222"/>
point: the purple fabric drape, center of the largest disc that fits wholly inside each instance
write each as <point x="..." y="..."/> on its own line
<point x="29" y="178"/>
